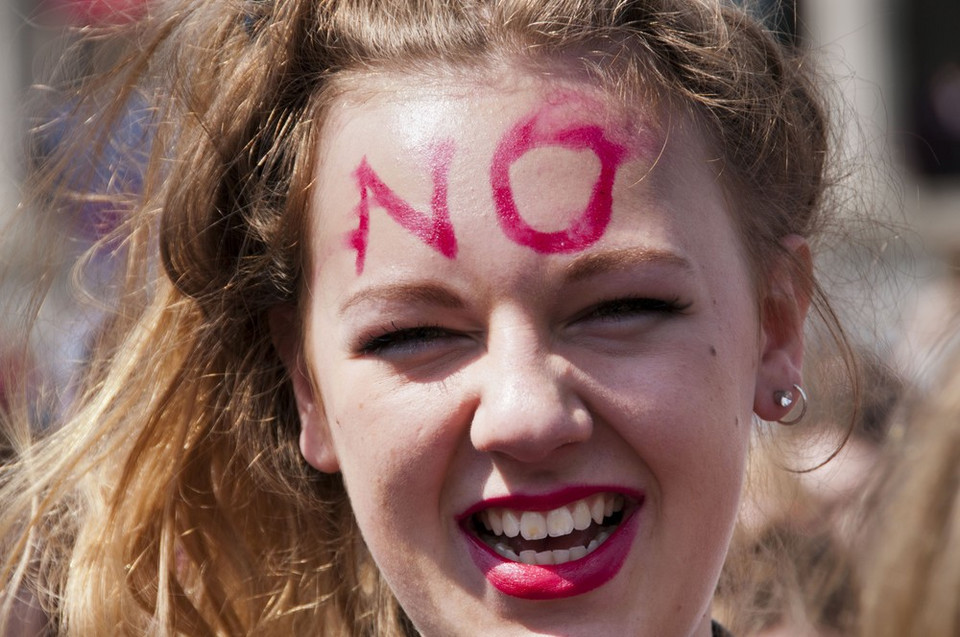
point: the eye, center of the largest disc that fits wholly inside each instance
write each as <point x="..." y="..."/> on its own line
<point x="396" y="341"/>
<point x="631" y="307"/>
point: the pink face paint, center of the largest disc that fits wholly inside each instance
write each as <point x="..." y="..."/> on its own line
<point x="591" y="224"/>
<point x="436" y="230"/>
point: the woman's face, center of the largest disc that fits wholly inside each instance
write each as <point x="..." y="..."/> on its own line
<point x="535" y="350"/>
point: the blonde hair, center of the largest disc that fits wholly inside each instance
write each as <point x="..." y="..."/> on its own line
<point x="173" y="497"/>
<point x="910" y="561"/>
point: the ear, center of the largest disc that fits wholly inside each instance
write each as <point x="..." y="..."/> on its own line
<point x="315" y="441"/>
<point x="783" y="311"/>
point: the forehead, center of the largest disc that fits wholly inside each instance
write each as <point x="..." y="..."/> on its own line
<point x="477" y="110"/>
<point x="397" y="151"/>
<point x="404" y="125"/>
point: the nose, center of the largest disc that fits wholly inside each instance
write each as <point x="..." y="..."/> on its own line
<point x="529" y="407"/>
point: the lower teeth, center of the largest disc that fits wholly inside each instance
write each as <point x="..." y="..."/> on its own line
<point x="558" y="556"/>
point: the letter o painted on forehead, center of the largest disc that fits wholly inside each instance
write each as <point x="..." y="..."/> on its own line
<point x="591" y="224"/>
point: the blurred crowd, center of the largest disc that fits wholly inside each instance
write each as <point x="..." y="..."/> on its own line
<point x="867" y="527"/>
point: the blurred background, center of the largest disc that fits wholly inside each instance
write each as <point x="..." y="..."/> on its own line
<point x="895" y="66"/>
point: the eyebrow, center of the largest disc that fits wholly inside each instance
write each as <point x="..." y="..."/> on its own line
<point x="419" y="293"/>
<point x="595" y="263"/>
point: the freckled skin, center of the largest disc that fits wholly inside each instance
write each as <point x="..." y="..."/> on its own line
<point x="522" y="366"/>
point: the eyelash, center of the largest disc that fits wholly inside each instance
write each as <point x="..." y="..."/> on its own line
<point x="392" y="337"/>
<point x="619" y="307"/>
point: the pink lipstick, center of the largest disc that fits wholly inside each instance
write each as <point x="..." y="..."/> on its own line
<point x="552" y="546"/>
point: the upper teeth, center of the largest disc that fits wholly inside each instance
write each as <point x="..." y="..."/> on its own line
<point x="536" y="525"/>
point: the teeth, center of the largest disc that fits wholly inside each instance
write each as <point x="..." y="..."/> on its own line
<point x="506" y="552"/>
<point x="597" y="541"/>
<point x="511" y="523"/>
<point x="597" y="508"/>
<point x="549" y="558"/>
<point x="533" y="526"/>
<point x="545" y="558"/>
<point x="485" y="520"/>
<point x="581" y="515"/>
<point x="559" y="522"/>
<point x="494" y="521"/>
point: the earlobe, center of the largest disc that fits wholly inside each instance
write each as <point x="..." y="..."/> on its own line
<point x="783" y="312"/>
<point x="315" y="443"/>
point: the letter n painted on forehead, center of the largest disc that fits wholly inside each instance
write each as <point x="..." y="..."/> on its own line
<point x="436" y="230"/>
<point x="592" y="223"/>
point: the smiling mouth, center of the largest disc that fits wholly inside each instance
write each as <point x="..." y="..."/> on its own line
<point x="553" y="537"/>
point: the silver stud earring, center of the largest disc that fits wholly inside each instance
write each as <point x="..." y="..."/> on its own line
<point x="787" y="398"/>
<point x="784" y="398"/>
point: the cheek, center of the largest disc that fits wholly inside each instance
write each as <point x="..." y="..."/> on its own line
<point x="686" y="412"/>
<point x="394" y="447"/>
<point x="696" y="449"/>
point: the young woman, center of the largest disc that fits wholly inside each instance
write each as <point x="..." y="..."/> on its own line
<point x="438" y="318"/>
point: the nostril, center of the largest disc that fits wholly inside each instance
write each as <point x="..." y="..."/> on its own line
<point x="528" y="405"/>
<point x="529" y="437"/>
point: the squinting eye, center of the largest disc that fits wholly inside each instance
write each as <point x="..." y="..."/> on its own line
<point x="624" y="308"/>
<point x="403" y="341"/>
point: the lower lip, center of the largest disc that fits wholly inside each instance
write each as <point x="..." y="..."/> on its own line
<point x="529" y="581"/>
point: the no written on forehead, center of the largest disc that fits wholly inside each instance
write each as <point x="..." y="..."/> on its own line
<point x="542" y="129"/>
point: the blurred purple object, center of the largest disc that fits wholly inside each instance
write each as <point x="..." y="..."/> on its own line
<point x="101" y="11"/>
